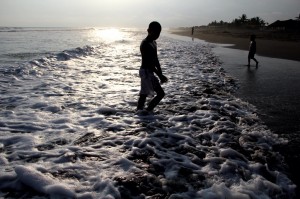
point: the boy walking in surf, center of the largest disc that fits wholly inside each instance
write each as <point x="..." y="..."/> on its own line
<point x="252" y="50"/>
<point x="150" y="65"/>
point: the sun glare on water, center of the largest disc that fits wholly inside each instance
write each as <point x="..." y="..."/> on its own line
<point x="109" y="35"/>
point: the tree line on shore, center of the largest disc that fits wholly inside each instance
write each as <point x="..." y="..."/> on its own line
<point x="241" y="22"/>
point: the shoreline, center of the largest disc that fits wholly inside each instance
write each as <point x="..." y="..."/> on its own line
<point x="261" y="91"/>
<point x="265" y="47"/>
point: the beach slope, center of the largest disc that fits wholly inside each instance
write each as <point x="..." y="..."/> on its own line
<point x="284" y="46"/>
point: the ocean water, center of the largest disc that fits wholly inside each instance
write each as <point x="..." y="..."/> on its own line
<point x="68" y="126"/>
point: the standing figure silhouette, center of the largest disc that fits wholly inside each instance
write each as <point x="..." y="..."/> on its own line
<point x="150" y="66"/>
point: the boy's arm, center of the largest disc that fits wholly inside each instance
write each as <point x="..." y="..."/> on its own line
<point x="158" y="71"/>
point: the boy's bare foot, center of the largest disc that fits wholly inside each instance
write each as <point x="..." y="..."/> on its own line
<point x="144" y="112"/>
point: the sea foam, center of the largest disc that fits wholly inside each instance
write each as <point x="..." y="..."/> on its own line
<point x="70" y="130"/>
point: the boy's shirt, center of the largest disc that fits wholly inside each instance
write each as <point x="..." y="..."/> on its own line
<point x="252" y="47"/>
<point x="148" y="50"/>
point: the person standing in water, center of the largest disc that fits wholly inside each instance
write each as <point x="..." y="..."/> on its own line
<point x="150" y="66"/>
<point x="252" y="50"/>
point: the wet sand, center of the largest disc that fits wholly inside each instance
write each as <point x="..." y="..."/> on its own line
<point x="265" y="47"/>
<point x="274" y="89"/>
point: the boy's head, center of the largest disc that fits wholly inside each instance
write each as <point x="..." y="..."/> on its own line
<point x="252" y="37"/>
<point x="154" y="30"/>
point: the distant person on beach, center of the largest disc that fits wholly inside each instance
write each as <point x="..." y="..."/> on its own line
<point x="252" y="50"/>
<point x="193" y="28"/>
<point x="150" y="65"/>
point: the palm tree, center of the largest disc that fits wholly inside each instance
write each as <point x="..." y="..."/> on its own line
<point x="259" y="21"/>
<point x="243" y="18"/>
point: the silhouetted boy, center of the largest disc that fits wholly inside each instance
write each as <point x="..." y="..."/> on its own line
<point x="150" y="65"/>
<point x="252" y="50"/>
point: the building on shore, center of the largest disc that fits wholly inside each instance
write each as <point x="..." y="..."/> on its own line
<point x="287" y="25"/>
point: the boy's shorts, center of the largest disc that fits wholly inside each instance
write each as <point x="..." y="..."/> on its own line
<point x="251" y="55"/>
<point x="149" y="82"/>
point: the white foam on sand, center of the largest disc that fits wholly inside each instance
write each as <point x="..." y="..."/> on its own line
<point x="69" y="130"/>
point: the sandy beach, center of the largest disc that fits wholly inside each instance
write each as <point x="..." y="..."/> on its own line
<point x="284" y="48"/>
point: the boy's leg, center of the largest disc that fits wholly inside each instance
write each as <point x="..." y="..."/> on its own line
<point x="141" y="102"/>
<point x="255" y="61"/>
<point x="159" y="95"/>
<point x="248" y="60"/>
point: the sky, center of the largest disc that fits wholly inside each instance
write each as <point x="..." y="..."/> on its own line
<point x="138" y="13"/>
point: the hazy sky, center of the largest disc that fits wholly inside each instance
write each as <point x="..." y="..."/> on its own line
<point x="138" y="13"/>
